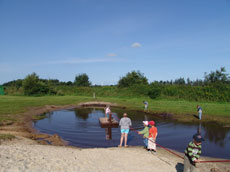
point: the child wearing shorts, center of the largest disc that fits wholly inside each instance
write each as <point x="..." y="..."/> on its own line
<point x="125" y="124"/>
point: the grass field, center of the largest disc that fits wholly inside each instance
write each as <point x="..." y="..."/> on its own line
<point x="10" y="106"/>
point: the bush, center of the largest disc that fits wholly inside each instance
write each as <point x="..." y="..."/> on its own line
<point x="154" y="93"/>
<point x="133" y="78"/>
<point x="82" y="80"/>
<point x="33" y="86"/>
<point x="60" y="93"/>
<point x="140" y="89"/>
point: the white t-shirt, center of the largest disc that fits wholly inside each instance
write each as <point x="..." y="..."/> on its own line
<point x="107" y="110"/>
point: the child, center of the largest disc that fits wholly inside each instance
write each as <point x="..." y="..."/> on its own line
<point x="107" y="111"/>
<point x="152" y="137"/>
<point x="146" y="105"/>
<point x="192" y="154"/>
<point x="199" y="110"/>
<point x="125" y="124"/>
<point x="145" y="133"/>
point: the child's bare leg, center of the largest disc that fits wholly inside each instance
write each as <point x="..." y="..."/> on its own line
<point x="126" y="136"/>
<point x="121" y="140"/>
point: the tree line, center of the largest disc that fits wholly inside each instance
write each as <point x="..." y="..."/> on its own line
<point x="214" y="87"/>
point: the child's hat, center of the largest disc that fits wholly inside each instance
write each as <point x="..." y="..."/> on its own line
<point x="146" y="122"/>
<point x="198" y="138"/>
<point x="151" y="123"/>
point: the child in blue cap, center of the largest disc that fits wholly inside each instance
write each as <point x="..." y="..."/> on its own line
<point x="192" y="154"/>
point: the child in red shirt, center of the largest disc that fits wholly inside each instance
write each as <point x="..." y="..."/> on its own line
<point x="152" y="137"/>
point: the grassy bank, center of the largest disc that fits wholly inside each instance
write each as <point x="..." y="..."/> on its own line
<point x="11" y="106"/>
<point x="6" y="137"/>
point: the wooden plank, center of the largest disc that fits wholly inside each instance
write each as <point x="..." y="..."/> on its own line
<point x="106" y="124"/>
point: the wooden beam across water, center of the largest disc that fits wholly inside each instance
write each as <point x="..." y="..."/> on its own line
<point x="107" y="124"/>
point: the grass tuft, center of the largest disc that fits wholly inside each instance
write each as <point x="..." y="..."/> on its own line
<point x="6" y="137"/>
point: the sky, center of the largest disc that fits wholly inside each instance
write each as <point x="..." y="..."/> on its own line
<point x="106" y="39"/>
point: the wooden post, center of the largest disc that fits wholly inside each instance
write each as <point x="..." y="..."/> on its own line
<point x="108" y="124"/>
<point x="108" y="133"/>
<point x="110" y="118"/>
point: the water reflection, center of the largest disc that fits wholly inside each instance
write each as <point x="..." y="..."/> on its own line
<point x="211" y="131"/>
<point x="108" y="133"/>
<point x="199" y="128"/>
<point x="216" y="133"/>
<point x="82" y="113"/>
<point x="49" y="116"/>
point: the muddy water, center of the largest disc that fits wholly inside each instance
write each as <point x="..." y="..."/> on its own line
<point x="81" y="128"/>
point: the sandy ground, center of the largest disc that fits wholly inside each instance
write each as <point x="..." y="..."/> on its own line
<point x="25" y="155"/>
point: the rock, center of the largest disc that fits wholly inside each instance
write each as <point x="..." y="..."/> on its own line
<point x="39" y="136"/>
<point x="214" y="170"/>
<point x="56" y="140"/>
<point x="42" y="142"/>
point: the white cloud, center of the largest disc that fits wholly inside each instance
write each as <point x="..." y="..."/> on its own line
<point x="111" y="54"/>
<point x="73" y="61"/>
<point x="80" y="61"/>
<point x="136" y="45"/>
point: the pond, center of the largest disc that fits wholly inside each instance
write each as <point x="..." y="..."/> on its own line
<point x="81" y="128"/>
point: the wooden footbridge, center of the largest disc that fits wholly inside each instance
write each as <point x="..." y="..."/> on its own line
<point x="108" y="124"/>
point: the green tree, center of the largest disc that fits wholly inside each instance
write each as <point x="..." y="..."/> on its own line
<point x="133" y="78"/>
<point x="33" y="86"/>
<point x="82" y="80"/>
<point x="219" y="76"/>
<point x="179" y="81"/>
<point x="69" y="83"/>
<point x="15" y="83"/>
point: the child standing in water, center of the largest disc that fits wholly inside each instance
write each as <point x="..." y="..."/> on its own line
<point x="145" y="133"/>
<point x="152" y="137"/>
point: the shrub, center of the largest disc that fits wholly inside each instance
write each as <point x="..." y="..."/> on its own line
<point x="133" y="78"/>
<point x="154" y="93"/>
<point x="33" y="86"/>
<point x="82" y="80"/>
<point x="140" y="89"/>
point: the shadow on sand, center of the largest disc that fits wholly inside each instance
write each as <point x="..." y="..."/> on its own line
<point x="179" y="167"/>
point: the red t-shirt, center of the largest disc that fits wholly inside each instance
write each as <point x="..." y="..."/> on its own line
<point x="152" y="132"/>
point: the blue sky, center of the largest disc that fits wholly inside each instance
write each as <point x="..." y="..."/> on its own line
<point x="164" y="39"/>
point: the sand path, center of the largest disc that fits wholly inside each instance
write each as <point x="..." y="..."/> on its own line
<point x="25" y="155"/>
<point x="37" y="158"/>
